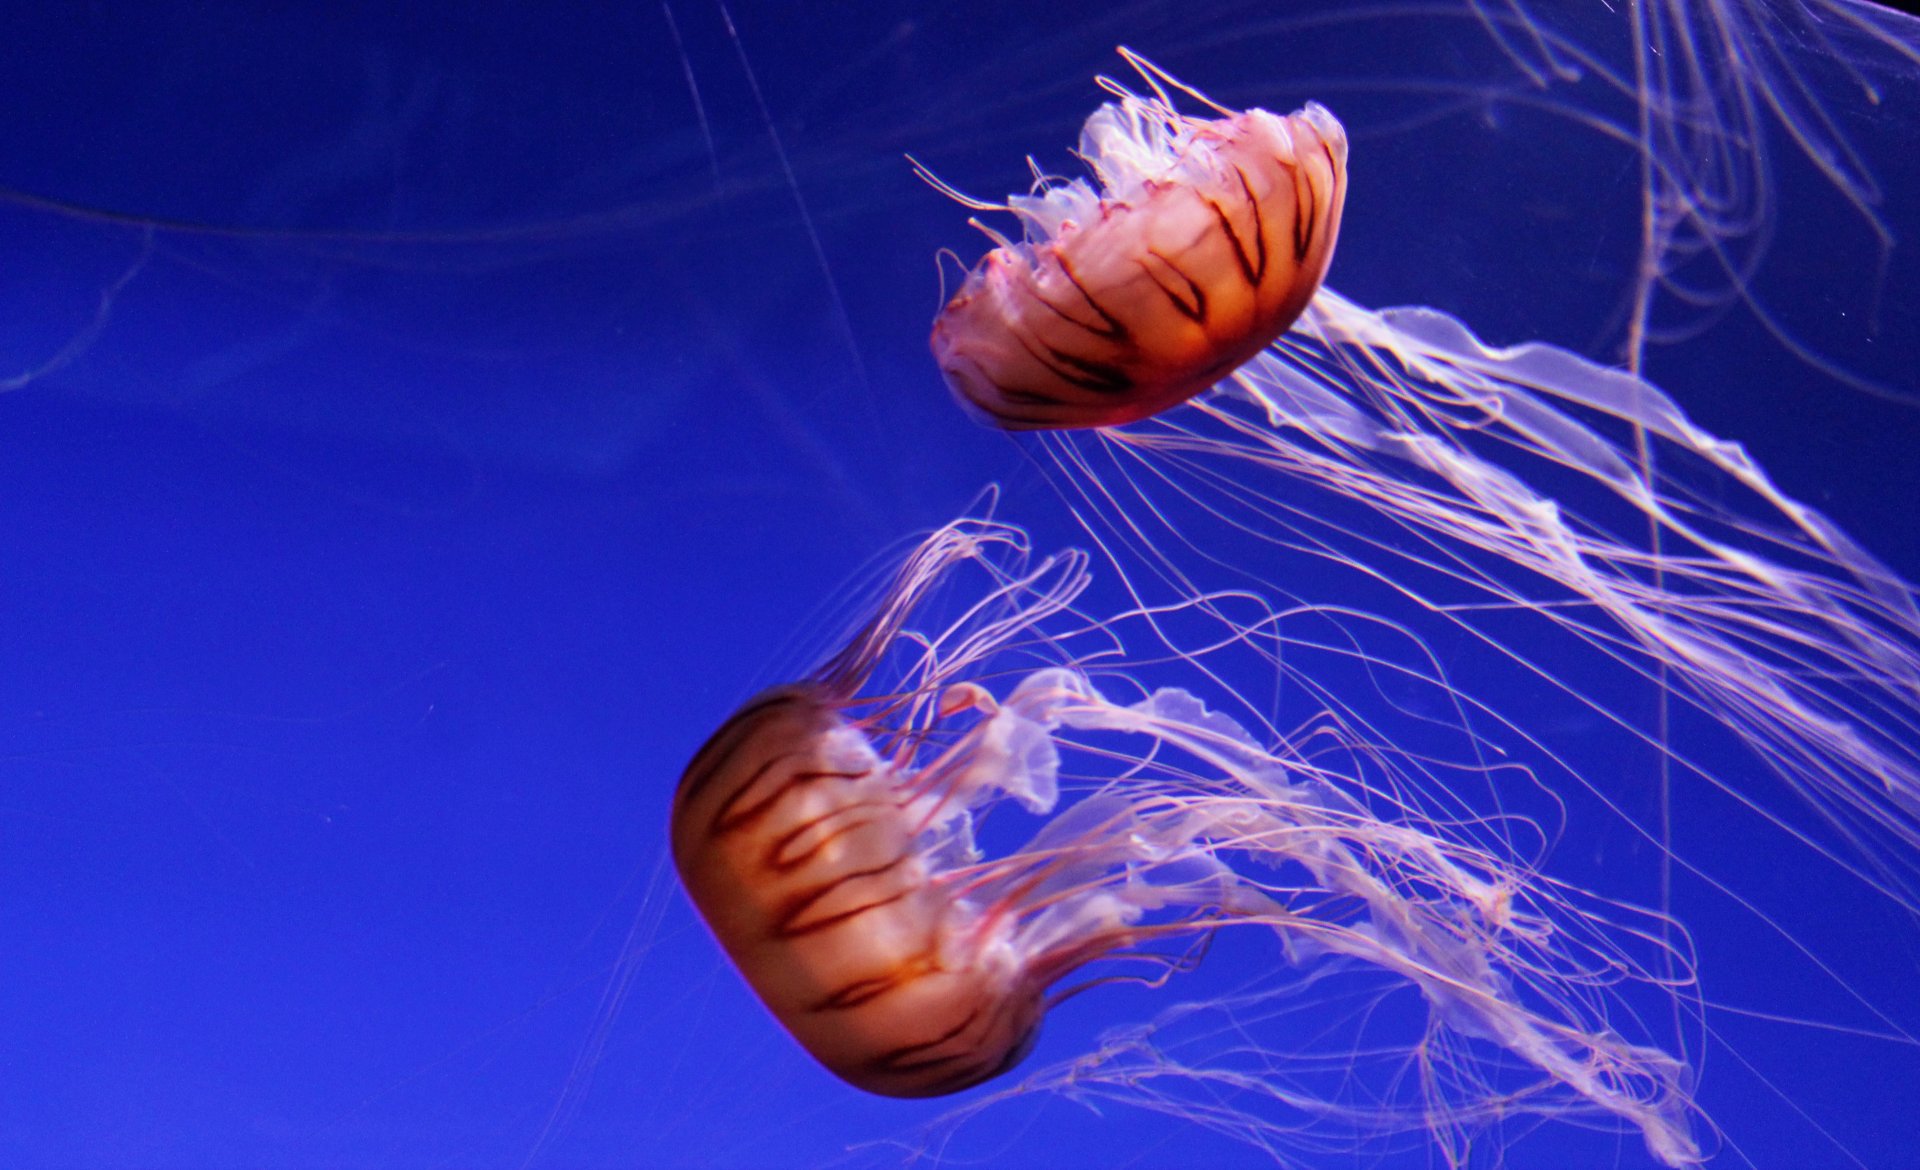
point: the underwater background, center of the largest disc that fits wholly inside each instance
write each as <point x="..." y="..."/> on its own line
<point x="425" y="425"/>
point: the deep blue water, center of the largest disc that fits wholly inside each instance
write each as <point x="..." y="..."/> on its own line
<point x="435" y="432"/>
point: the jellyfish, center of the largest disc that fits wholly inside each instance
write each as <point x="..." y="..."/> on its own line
<point x="828" y="833"/>
<point x="1492" y="487"/>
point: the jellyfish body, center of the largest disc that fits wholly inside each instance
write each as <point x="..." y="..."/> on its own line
<point x="798" y="846"/>
<point x="826" y="834"/>
<point x="1206" y="241"/>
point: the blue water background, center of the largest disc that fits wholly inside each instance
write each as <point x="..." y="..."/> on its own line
<point x="467" y="430"/>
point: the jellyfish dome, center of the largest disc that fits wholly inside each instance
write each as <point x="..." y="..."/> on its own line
<point x="1206" y="240"/>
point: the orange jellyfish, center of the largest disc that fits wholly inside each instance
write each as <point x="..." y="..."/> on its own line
<point x="1206" y="240"/>
<point x="826" y="833"/>
<point x="1494" y="487"/>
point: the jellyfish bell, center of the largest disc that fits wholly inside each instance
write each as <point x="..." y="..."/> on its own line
<point x="813" y="860"/>
<point x="826" y="834"/>
<point x="1206" y="240"/>
<point x="792" y="838"/>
